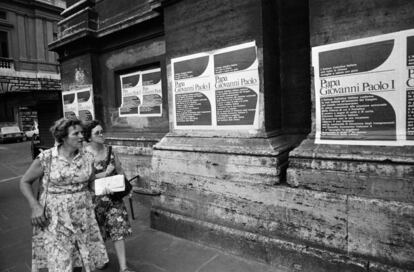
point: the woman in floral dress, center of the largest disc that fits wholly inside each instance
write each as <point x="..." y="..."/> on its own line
<point x="66" y="234"/>
<point x="110" y="211"/>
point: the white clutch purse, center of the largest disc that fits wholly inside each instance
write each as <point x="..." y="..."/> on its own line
<point x="113" y="183"/>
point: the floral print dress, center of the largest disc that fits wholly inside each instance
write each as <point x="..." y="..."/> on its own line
<point x="72" y="237"/>
<point x="111" y="214"/>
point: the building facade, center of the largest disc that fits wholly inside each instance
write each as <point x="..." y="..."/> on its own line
<point x="29" y="72"/>
<point x="213" y="103"/>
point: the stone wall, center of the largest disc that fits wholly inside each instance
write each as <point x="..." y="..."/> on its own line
<point x="97" y="42"/>
<point x="132" y="58"/>
<point x="227" y="189"/>
<point x="314" y="208"/>
<point x="374" y="183"/>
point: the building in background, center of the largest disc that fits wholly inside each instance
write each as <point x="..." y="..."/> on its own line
<point x="213" y="104"/>
<point x="30" y="83"/>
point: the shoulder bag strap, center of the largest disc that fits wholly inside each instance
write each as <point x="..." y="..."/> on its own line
<point x="48" y="179"/>
<point x="108" y="156"/>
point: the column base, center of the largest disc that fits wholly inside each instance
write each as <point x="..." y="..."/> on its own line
<point x="282" y="254"/>
<point x="377" y="185"/>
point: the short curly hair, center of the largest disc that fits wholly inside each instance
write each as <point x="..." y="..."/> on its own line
<point x="60" y="129"/>
<point x="88" y="126"/>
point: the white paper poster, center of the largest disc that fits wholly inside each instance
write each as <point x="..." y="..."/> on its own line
<point x="141" y="94"/>
<point x="218" y="89"/>
<point x="151" y="93"/>
<point x="78" y="104"/>
<point x="362" y="91"/>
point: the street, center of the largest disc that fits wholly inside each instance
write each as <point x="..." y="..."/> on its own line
<point x="15" y="228"/>
<point x="14" y="160"/>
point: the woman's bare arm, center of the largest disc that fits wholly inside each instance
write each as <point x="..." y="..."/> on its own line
<point x="118" y="165"/>
<point x="34" y="172"/>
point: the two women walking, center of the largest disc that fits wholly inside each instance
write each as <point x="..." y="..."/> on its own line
<point x="66" y="234"/>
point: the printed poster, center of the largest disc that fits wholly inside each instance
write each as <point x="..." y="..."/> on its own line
<point x="70" y="105"/>
<point x="141" y="94"/>
<point x="131" y="90"/>
<point x="151" y="93"/>
<point x="193" y="91"/>
<point x="78" y="104"/>
<point x="218" y="89"/>
<point x="85" y="104"/>
<point x="236" y="86"/>
<point x="409" y="86"/>
<point x="362" y="91"/>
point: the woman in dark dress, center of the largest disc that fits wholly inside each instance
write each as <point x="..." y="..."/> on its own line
<point x="111" y="212"/>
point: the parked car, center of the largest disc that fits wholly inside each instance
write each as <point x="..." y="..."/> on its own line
<point x="33" y="132"/>
<point x="11" y="133"/>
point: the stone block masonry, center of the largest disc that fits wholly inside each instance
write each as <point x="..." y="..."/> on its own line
<point x="288" y="227"/>
<point x="262" y="192"/>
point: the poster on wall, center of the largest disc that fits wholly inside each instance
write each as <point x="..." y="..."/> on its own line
<point x="236" y="86"/>
<point x="409" y="86"/>
<point x="70" y="105"/>
<point x="131" y="90"/>
<point x="78" y="104"/>
<point x="151" y="93"/>
<point x="217" y="90"/>
<point x="362" y="92"/>
<point x="85" y="104"/>
<point x="141" y="94"/>
<point x="193" y="95"/>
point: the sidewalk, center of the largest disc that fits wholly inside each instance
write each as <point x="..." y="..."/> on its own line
<point x="149" y="250"/>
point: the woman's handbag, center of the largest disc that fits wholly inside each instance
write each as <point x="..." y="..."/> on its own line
<point x="128" y="186"/>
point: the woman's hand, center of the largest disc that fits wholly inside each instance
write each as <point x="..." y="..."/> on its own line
<point x="38" y="217"/>
<point x="107" y="191"/>
<point x="100" y="175"/>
